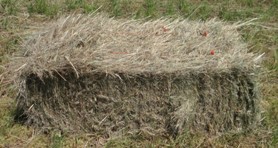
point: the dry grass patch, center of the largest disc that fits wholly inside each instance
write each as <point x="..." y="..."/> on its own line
<point x="113" y="77"/>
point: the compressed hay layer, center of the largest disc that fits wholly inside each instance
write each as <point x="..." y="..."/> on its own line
<point x="97" y="74"/>
<point x="153" y="104"/>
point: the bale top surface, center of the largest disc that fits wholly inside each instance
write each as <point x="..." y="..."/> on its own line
<point x="96" y="43"/>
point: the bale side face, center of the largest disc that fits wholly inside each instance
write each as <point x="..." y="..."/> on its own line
<point x="149" y="103"/>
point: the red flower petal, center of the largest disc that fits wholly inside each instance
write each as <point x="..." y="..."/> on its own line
<point x="212" y="52"/>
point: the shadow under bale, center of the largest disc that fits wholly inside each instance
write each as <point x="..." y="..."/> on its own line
<point x="100" y="75"/>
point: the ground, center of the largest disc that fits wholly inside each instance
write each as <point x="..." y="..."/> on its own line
<point x="20" y="17"/>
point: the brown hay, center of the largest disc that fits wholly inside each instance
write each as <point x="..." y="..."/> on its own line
<point x="99" y="74"/>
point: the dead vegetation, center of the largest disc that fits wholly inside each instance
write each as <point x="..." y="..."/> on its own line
<point x="92" y="73"/>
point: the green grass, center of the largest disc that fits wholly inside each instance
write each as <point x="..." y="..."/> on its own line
<point x="149" y="8"/>
<point x="10" y="7"/>
<point x="72" y="5"/>
<point x="275" y="56"/>
<point x="44" y="7"/>
<point x="272" y="120"/>
<point x="262" y="37"/>
<point x="170" y="8"/>
<point x="57" y="140"/>
<point x="75" y="4"/>
<point x="11" y="134"/>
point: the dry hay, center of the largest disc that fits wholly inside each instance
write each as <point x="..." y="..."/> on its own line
<point x="108" y="76"/>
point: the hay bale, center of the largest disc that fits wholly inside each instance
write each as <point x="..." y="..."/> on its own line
<point x="98" y="74"/>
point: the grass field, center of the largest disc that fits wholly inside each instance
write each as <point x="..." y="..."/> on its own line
<point x="20" y="17"/>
